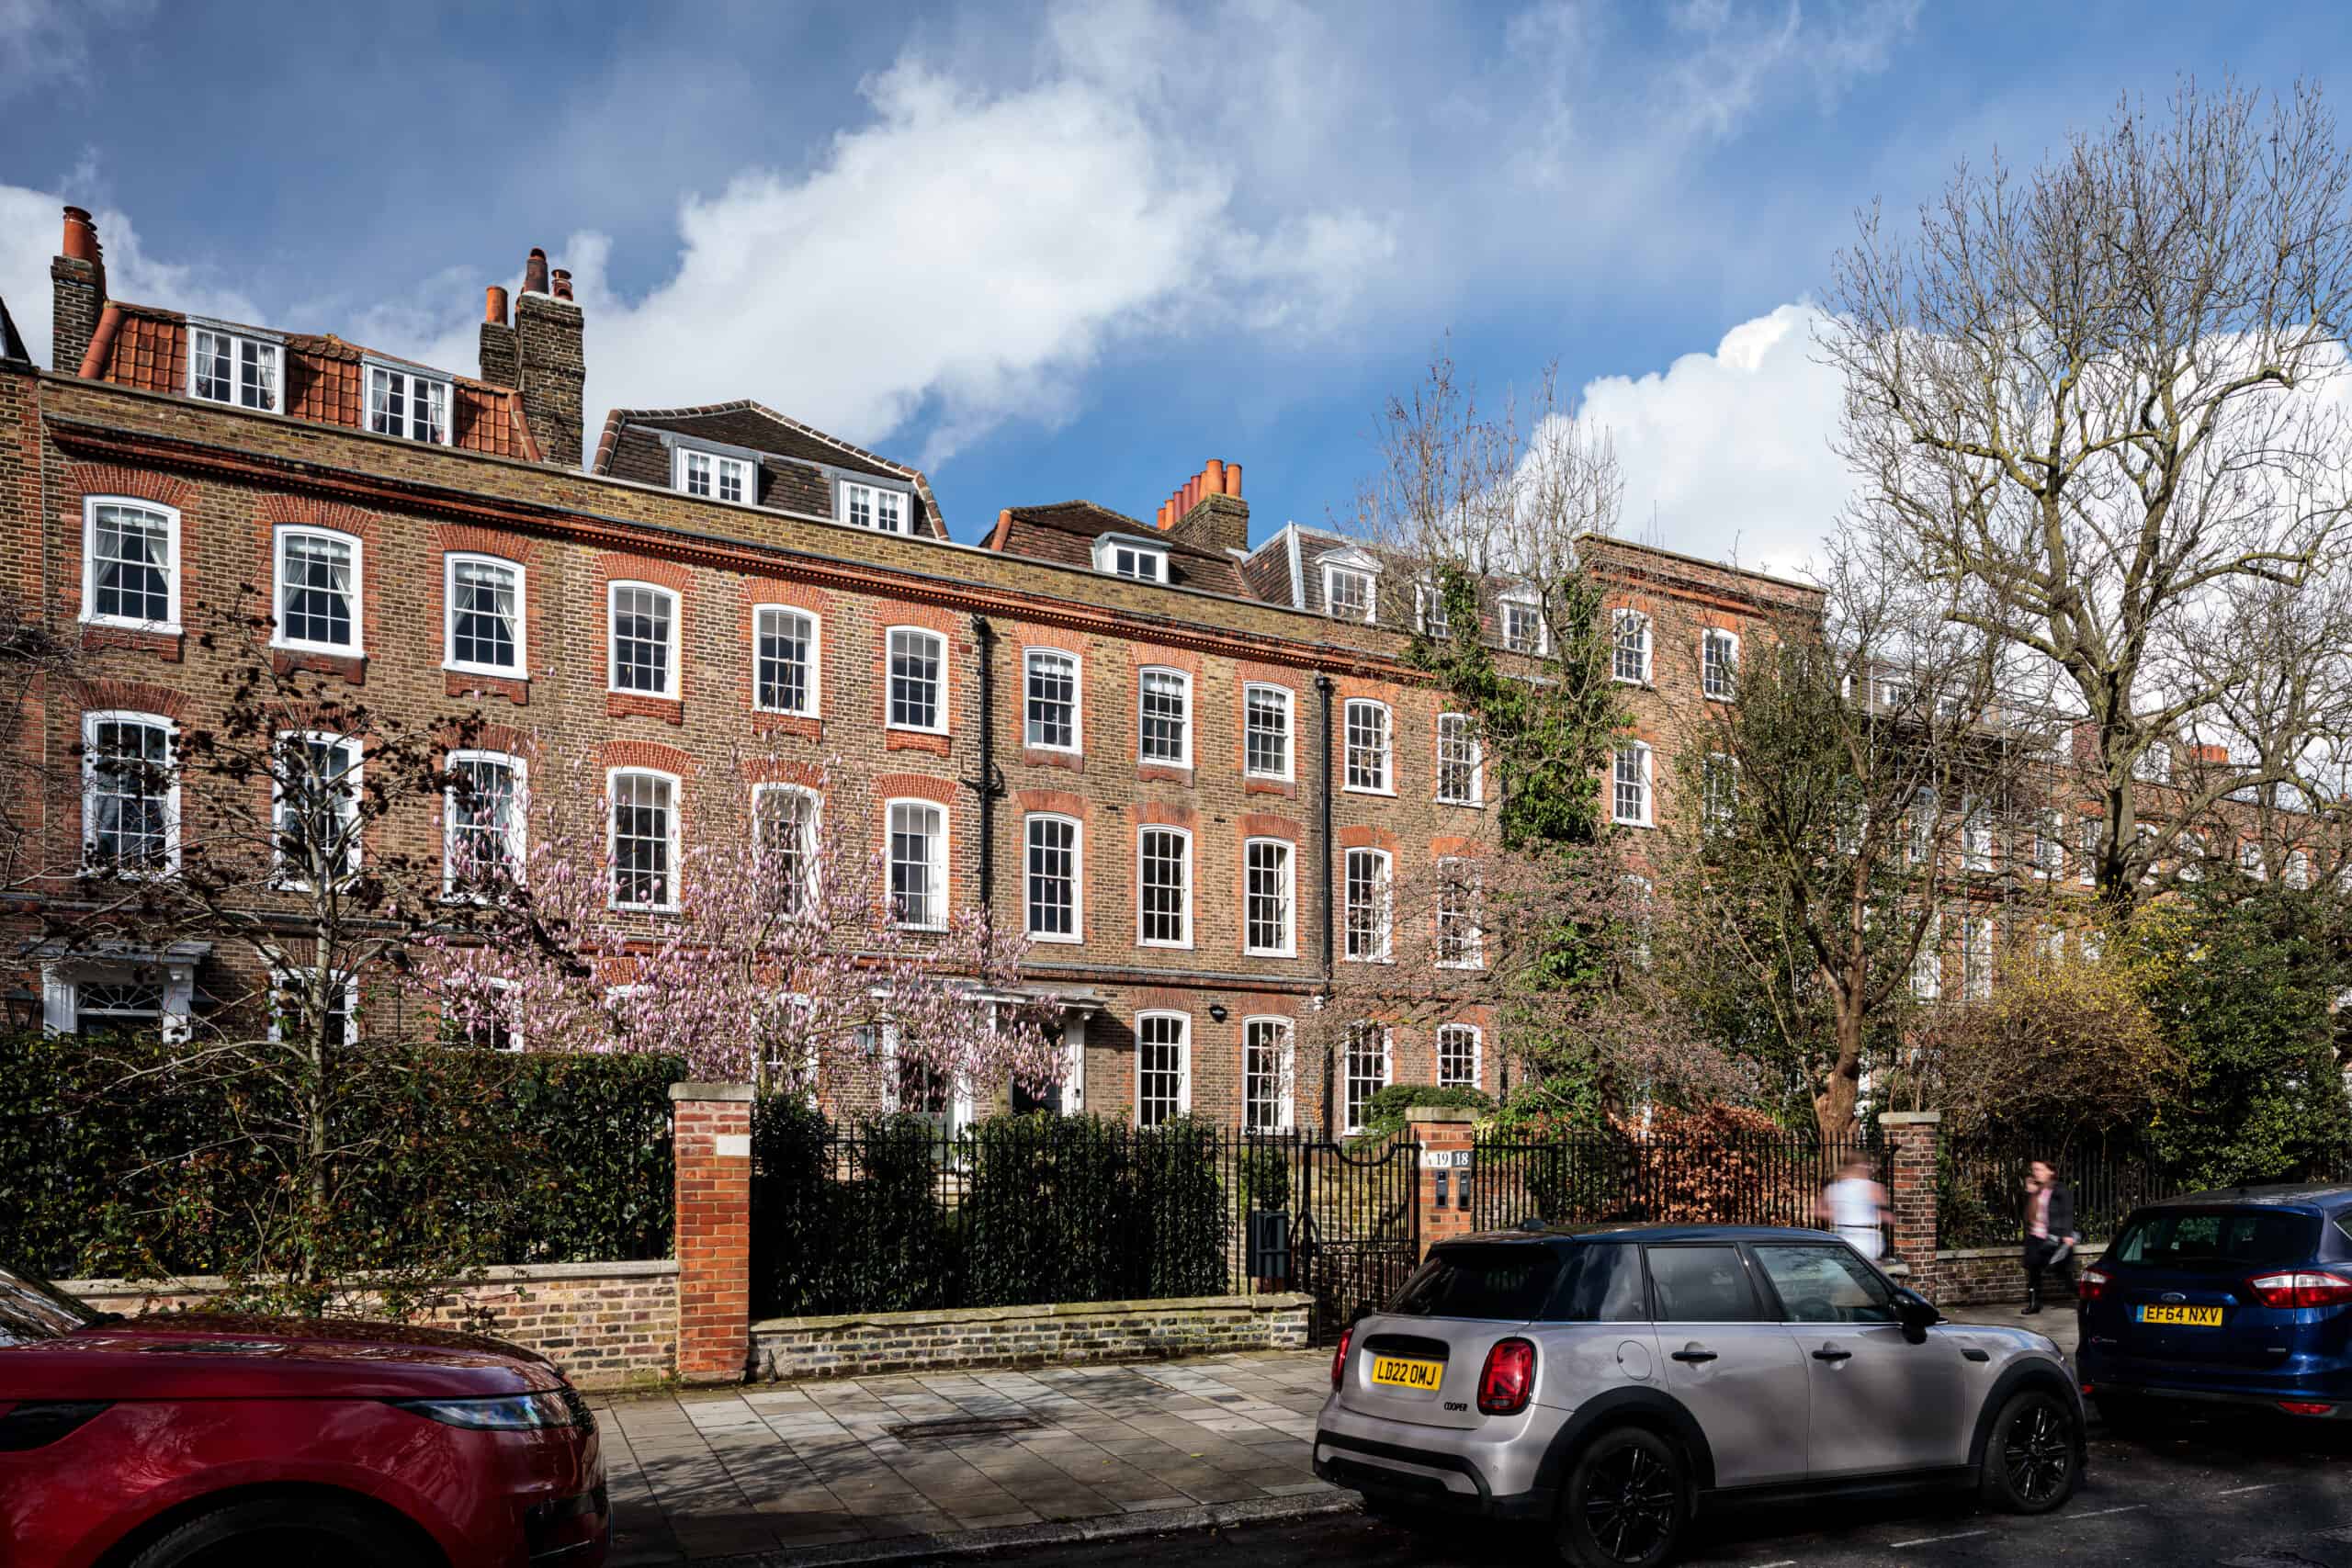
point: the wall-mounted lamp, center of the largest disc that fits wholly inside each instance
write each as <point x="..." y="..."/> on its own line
<point x="1216" y="1011"/>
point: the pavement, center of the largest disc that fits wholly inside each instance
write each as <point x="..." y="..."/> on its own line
<point x="921" y="1466"/>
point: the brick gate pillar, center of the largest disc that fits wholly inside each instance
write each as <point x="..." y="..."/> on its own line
<point x="1914" y="1138"/>
<point x="1441" y="1185"/>
<point x="711" y="1132"/>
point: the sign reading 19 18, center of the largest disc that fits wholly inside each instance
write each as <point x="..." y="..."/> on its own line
<point x="1445" y="1159"/>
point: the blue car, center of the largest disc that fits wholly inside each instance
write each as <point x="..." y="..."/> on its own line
<point x="2240" y="1297"/>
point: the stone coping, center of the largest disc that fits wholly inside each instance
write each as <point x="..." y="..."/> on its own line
<point x="731" y="1091"/>
<point x="1442" y="1114"/>
<point x="505" y="1273"/>
<point x="1273" y="1301"/>
<point x="1910" y="1118"/>
<point x="2015" y="1249"/>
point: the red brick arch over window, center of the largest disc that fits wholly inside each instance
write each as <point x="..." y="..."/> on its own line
<point x="785" y="771"/>
<point x="1266" y="825"/>
<point x="1364" y="836"/>
<point x="647" y="754"/>
<point x="113" y="479"/>
<point x="115" y="695"/>
<point x="1165" y="814"/>
<point x="1055" y="802"/>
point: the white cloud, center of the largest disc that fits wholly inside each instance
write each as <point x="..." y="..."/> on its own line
<point x="1726" y="454"/>
<point x="44" y="41"/>
<point x="32" y="225"/>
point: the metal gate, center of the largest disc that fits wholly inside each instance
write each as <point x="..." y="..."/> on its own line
<point x="1356" y="1232"/>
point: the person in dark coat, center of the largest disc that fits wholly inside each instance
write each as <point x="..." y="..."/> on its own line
<point x="2050" y="1233"/>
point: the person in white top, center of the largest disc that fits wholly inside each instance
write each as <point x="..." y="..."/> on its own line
<point x="1854" y="1205"/>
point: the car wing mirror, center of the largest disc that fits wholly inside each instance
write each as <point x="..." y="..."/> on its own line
<point x="1916" y="1314"/>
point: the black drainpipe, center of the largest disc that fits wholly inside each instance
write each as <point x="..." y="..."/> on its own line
<point x="1323" y="873"/>
<point x="990" y="783"/>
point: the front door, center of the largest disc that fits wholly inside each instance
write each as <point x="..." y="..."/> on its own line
<point x="1880" y="1402"/>
<point x="1739" y="1375"/>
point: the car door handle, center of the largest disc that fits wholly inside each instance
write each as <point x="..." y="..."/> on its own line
<point x="1826" y="1354"/>
<point x="1693" y="1356"/>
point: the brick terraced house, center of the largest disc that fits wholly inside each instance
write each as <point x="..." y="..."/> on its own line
<point x="1197" y="747"/>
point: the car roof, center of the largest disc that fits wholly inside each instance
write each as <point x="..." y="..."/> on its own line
<point x="2282" y="1195"/>
<point x="1622" y="1233"/>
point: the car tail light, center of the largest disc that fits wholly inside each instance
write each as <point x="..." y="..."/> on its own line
<point x="1508" y="1378"/>
<point x="2094" y="1284"/>
<point x="2300" y="1288"/>
<point x="2302" y="1407"/>
<point x="1340" y="1356"/>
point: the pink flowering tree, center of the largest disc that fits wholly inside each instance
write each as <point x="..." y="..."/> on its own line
<point x="777" y="956"/>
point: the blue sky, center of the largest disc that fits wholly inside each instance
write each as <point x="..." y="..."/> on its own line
<point x="1073" y="250"/>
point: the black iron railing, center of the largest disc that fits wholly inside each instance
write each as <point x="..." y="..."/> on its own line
<point x="1607" y="1177"/>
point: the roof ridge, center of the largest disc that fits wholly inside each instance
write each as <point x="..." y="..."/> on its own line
<point x="740" y="405"/>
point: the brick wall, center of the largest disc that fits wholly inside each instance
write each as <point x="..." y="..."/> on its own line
<point x="1979" y="1275"/>
<point x="608" y="1326"/>
<point x="849" y="1345"/>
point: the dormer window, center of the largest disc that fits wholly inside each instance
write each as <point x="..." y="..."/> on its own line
<point x="235" y="368"/>
<point x="712" y="475"/>
<point x="1131" y="557"/>
<point x="1351" y="586"/>
<point x="404" y="403"/>
<point x="875" y="506"/>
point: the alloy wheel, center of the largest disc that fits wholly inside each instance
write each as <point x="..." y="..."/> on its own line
<point x="1629" y="1504"/>
<point x="2036" y="1455"/>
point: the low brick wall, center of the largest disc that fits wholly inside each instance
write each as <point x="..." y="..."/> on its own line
<point x="608" y="1326"/>
<point x="1971" y="1276"/>
<point x="1063" y="1334"/>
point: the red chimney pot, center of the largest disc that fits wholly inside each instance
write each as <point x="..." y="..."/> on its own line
<point x="1233" y="480"/>
<point x="493" y="304"/>
<point x="535" y="272"/>
<point x="81" y="241"/>
<point x="562" y="283"/>
<point x="1213" y="477"/>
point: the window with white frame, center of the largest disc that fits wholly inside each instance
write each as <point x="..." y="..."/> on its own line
<point x="645" y="639"/>
<point x="129" y="795"/>
<point x="1523" y="626"/>
<point x="1459" y="1050"/>
<point x="315" y="804"/>
<point x="1977" y="958"/>
<point x="1265" y="731"/>
<point x="645" y="839"/>
<point x="784" y="644"/>
<point x="131" y="564"/>
<point x="1367" y="896"/>
<point x="1269" y="925"/>
<point x="1266" y="1074"/>
<point x="1370" y="1054"/>
<point x="1925" y="808"/>
<point x="1629" y="656"/>
<point x="1163" y="1067"/>
<point x="2088" y="873"/>
<point x="1642" y="915"/>
<point x="1428" y="604"/>
<point x="1719" y="663"/>
<point x="918" y="665"/>
<point x="318" y="590"/>
<point x="2049" y="845"/>
<point x="1976" y="835"/>
<point x="2299" y="870"/>
<point x="919" y="863"/>
<point x="406" y="404"/>
<point x="1367" y="747"/>
<point x="1718" y="792"/>
<point x="874" y="506"/>
<point x="1928" y="964"/>
<point x="1461" y="941"/>
<point x="1348" y="593"/>
<point x="1131" y="558"/>
<point x="2251" y="861"/>
<point x="484" y="599"/>
<point x="1164" y="887"/>
<point x="1164" y="717"/>
<point x="713" y="475"/>
<point x="2155" y="764"/>
<point x="491" y="1023"/>
<point x="1055" y="878"/>
<point x="1461" y="761"/>
<point x="235" y="368"/>
<point x="785" y="822"/>
<point x="293" y="993"/>
<point x="118" y="1005"/>
<point x="482" y="817"/>
<point x="1629" y="801"/>
<point x="1050" y="719"/>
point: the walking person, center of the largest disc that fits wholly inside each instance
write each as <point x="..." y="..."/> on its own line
<point x="1854" y="1205"/>
<point x="2050" y="1233"/>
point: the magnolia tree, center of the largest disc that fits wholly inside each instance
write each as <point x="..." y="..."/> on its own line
<point x="772" y="949"/>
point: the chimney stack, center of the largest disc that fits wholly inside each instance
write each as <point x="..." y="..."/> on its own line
<point x="550" y="364"/>
<point x="78" y="287"/>
<point x="497" y="349"/>
<point x="1207" y="509"/>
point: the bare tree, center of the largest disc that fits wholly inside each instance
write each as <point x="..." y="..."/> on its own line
<point x="2102" y="407"/>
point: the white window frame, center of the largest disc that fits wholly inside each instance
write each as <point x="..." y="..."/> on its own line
<point x="935" y="867"/>
<point x="1478" y="761"/>
<point x="813" y="703"/>
<point x="2050" y="845"/>
<point x="675" y="836"/>
<point x="517" y="830"/>
<point x="1371" y="575"/>
<point x="355" y="849"/>
<point x="1718" y="772"/>
<point x="1619" y="621"/>
<point x="1708" y="639"/>
<point x="1387" y="749"/>
<point x="239" y="341"/>
<point x="1386" y="1034"/>
<point x="412" y="379"/>
<point x="1287" y="870"/>
<point x="682" y="459"/>
<point x="451" y="561"/>
<point x="1978" y="942"/>
<point x="2298" y="872"/>
<point x="2153" y="765"/>
<point x="1477" y="1079"/>
<point x="61" y="983"/>
<point x="1647" y="816"/>
<point x="1114" y="555"/>
<point x="1184" y="731"/>
<point x="1928" y="964"/>
<point x="890" y="680"/>
<point x="1919" y="841"/>
<point x="2251" y="860"/>
<point x="811" y="830"/>
<point x="669" y="692"/>
<point x="1183" y="1106"/>
<point x="1184" y="906"/>
<point x="91" y="720"/>
<point x="1383" y="910"/>
<point x="1534" y="608"/>
<point x="1284" y="1105"/>
<point x="1030" y="659"/>
<point x="170" y="516"/>
<point x="1428" y="613"/>
<point x="278" y="981"/>
<point x="1475" y="948"/>
<point x="874" y="490"/>
<point x="357" y="647"/>
<point x="2093" y="829"/>
<point x="1077" y="932"/>
<point x="1289" y="704"/>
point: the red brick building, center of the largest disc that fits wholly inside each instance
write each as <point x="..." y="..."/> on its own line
<point x="1193" y="746"/>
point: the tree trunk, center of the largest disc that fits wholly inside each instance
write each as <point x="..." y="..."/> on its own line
<point x="1833" y="1108"/>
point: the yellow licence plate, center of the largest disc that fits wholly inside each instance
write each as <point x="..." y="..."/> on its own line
<point x="1395" y="1372"/>
<point x="2186" y="1317"/>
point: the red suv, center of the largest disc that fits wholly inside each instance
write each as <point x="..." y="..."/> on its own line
<point x="174" y="1442"/>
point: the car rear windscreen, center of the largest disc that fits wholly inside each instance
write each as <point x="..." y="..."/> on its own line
<point x="2216" y="1240"/>
<point x="1509" y="1282"/>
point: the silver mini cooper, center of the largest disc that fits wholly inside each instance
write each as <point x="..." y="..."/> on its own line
<point x="1610" y="1384"/>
